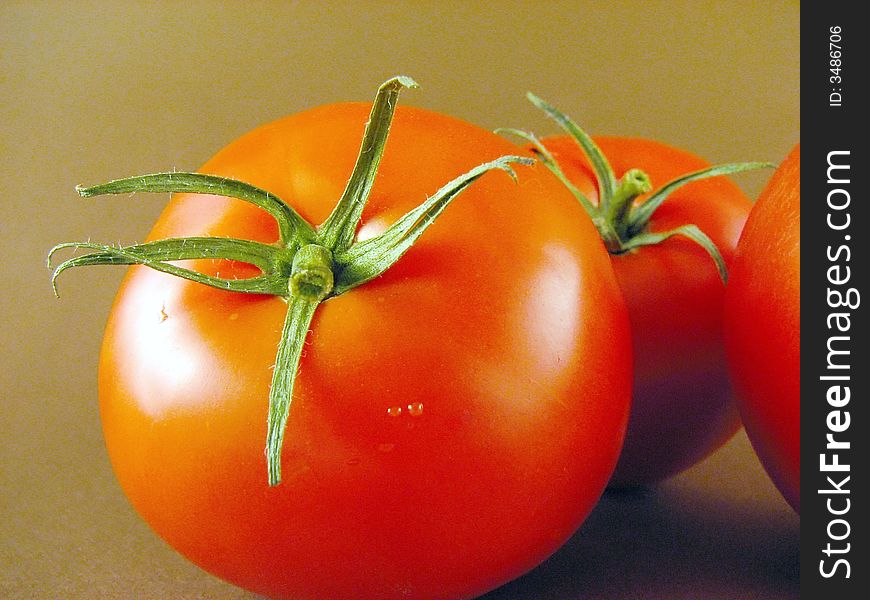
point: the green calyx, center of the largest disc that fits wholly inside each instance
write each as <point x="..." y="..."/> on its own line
<point x="621" y="221"/>
<point x="306" y="265"/>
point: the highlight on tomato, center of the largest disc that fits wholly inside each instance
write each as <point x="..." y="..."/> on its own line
<point x="452" y="380"/>
<point x="670" y="248"/>
<point x="762" y="327"/>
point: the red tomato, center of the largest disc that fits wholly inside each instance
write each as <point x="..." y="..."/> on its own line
<point x="453" y="421"/>
<point x="762" y="327"/>
<point x="682" y="406"/>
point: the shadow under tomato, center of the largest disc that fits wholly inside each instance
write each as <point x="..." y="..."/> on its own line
<point x="668" y="543"/>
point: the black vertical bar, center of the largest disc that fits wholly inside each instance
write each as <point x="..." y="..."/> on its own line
<point x="834" y="234"/>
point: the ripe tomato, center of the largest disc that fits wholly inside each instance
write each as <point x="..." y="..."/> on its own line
<point x="762" y="327"/>
<point x="682" y="406"/>
<point x="453" y="420"/>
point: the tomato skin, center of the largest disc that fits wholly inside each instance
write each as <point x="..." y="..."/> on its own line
<point x="501" y="335"/>
<point x="682" y="405"/>
<point x="762" y="327"/>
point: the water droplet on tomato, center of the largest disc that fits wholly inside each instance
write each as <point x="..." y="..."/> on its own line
<point x="416" y="409"/>
<point x="394" y="411"/>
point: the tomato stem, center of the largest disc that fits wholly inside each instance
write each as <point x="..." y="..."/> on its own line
<point x="157" y="255"/>
<point x="620" y="220"/>
<point x="339" y="229"/>
<point x="368" y="259"/>
<point x="291" y="226"/>
<point x="603" y="171"/>
<point x="307" y="265"/>
<point x="644" y="212"/>
<point x="633" y="184"/>
<point x="311" y="275"/>
<point x="300" y="312"/>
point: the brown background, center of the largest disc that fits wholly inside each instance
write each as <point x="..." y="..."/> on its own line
<point x="91" y="91"/>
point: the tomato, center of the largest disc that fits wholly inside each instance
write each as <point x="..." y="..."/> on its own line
<point x="453" y="420"/>
<point x="683" y="408"/>
<point x="762" y="327"/>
